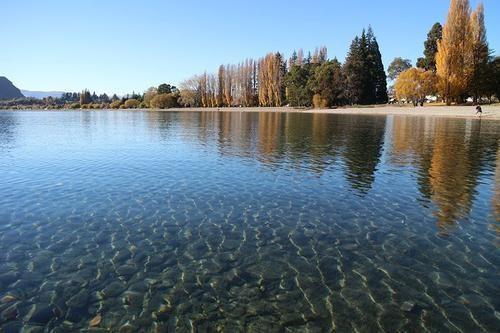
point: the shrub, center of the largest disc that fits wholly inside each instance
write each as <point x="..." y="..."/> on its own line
<point x="319" y="102"/>
<point x="116" y="104"/>
<point x="164" y="101"/>
<point x="131" y="103"/>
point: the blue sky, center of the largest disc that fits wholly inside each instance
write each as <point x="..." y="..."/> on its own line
<point x="124" y="46"/>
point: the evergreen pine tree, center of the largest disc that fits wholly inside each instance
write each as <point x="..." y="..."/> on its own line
<point x="353" y="68"/>
<point x="428" y="62"/>
<point x="364" y="70"/>
<point x="377" y="77"/>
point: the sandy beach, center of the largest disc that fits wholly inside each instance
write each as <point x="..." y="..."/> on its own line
<point x="491" y="112"/>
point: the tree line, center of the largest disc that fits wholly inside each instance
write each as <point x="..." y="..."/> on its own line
<point x="457" y="63"/>
<point x="300" y="81"/>
<point x="161" y="97"/>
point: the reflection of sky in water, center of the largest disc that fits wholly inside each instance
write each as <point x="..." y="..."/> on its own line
<point x="248" y="221"/>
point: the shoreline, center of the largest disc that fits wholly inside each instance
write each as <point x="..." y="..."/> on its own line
<point x="490" y="112"/>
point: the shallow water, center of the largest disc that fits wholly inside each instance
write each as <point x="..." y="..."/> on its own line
<point x="256" y="222"/>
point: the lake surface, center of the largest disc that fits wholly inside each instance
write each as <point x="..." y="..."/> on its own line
<point x="255" y="222"/>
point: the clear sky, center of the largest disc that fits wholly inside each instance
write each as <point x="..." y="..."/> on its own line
<point x="123" y="46"/>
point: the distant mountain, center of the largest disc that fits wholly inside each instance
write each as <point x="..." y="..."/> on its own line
<point x="8" y="90"/>
<point x="42" y="94"/>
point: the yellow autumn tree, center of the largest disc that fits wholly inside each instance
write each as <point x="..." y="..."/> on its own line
<point x="454" y="55"/>
<point x="414" y="84"/>
<point x="271" y="73"/>
<point x="480" y="53"/>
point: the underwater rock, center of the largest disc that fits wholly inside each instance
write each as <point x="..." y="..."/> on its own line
<point x="7" y="299"/>
<point x="33" y="329"/>
<point x="473" y="300"/>
<point x="127" y="328"/>
<point x="230" y="244"/>
<point x="94" y="330"/>
<point x="140" y="287"/>
<point x="163" y="313"/>
<point x="79" y="300"/>
<point x="121" y="256"/>
<point x="126" y="270"/>
<point x="407" y="306"/>
<point x="8" y="278"/>
<point x="133" y="299"/>
<point x="9" y="313"/>
<point x="350" y="246"/>
<point x="95" y="321"/>
<point x="75" y="314"/>
<point x="42" y="314"/>
<point x="113" y="289"/>
<point x="12" y="327"/>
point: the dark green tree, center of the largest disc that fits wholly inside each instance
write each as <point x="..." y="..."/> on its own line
<point x="164" y="88"/>
<point x="282" y="72"/>
<point x="364" y="70"/>
<point x="103" y="98"/>
<point x="377" y="80"/>
<point x="293" y="59"/>
<point x="354" y="72"/>
<point x="85" y="97"/>
<point x="492" y="79"/>
<point x="295" y="82"/>
<point x="428" y="62"/>
<point x="328" y="81"/>
<point x="397" y="66"/>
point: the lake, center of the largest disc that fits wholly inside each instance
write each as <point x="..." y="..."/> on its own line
<point x="243" y="221"/>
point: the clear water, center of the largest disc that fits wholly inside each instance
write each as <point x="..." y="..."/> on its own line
<point x="255" y="222"/>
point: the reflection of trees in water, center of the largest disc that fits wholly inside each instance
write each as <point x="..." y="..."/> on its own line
<point x="363" y="147"/>
<point x="298" y="140"/>
<point x="495" y="205"/>
<point x="450" y="155"/>
<point x="160" y="122"/>
<point x="450" y="176"/>
<point x="8" y="124"/>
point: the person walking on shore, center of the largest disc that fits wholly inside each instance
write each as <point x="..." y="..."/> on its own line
<point x="479" y="110"/>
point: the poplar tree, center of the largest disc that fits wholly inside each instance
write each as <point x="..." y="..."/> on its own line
<point x="85" y="97"/>
<point x="480" y="54"/>
<point x="454" y="56"/>
<point x="228" y="86"/>
<point x="221" y="79"/>
<point x="271" y="72"/>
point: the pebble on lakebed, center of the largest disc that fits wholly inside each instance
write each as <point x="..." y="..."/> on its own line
<point x="407" y="306"/>
<point x="95" y="321"/>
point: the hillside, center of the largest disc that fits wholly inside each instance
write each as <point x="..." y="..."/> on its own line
<point x="8" y="90"/>
<point x="41" y="94"/>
